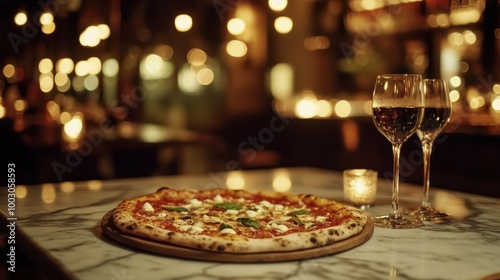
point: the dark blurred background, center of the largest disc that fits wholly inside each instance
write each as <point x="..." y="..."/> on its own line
<point x="113" y="89"/>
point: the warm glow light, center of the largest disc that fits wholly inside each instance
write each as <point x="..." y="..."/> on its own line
<point x="94" y="65"/>
<point x="205" y="76"/>
<point x="235" y="180"/>
<point x="283" y="25"/>
<point x="187" y="80"/>
<point x="164" y="51"/>
<point x="110" y="67"/>
<point x="236" y="48"/>
<point x="21" y="191"/>
<point x="90" y="37"/>
<point x="281" y="81"/>
<point x="9" y="71"/>
<point x="197" y="57"/>
<point x="477" y="102"/>
<point x="443" y="20"/>
<point x="46" y="83"/>
<point x="19" y="105"/>
<point x="65" y="65"/>
<point x="49" y="28"/>
<point x="2" y="111"/>
<point x="281" y="180"/>
<point x="343" y="108"/>
<point x="74" y="127"/>
<point x="469" y="37"/>
<point x="496" y="88"/>
<point x="454" y="95"/>
<point x="95" y="185"/>
<point x="324" y="108"/>
<point x="456" y="38"/>
<point x="183" y="23"/>
<point x="91" y="82"/>
<point x="61" y="79"/>
<point x="306" y="108"/>
<point x="64" y="87"/>
<point x="495" y="104"/>
<point x="53" y="109"/>
<point x="465" y="15"/>
<point x="45" y="65"/>
<point x="277" y="5"/>
<point x="21" y="18"/>
<point x="368" y="107"/>
<point x="67" y="187"/>
<point x="77" y="83"/>
<point x="82" y="68"/>
<point x="64" y="118"/>
<point x="104" y="31"/>
<point x="317" y="43"/>
<point x="371" y="4"/>
<point x="48" y="193"/>
<point x="236" y="26"/>
<point x="46" y="18"/>
<point x="455" y="81"/>
<point x="154" y="67"/>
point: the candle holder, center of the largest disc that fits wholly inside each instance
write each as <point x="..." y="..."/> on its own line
<point x="360" y="187"/>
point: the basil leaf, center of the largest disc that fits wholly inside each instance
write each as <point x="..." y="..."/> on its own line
<point x="223" y="226"/>
<point x="175" y="208"/>
<point x="298" y="212"/>
<point x="248" y="222"/>
<point x="228" y="206"/>
<point x="296" y="221"/>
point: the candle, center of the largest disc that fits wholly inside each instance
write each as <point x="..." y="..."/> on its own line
<point x="360" y="187"/>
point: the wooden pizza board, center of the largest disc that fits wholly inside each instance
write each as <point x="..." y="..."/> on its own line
<point x="110" y="230"/>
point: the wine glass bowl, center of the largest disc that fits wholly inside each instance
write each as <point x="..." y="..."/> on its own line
<point x="398" y="107"/>
<point x="437" y="113"/>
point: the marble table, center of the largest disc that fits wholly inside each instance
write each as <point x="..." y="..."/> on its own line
<point x="57" y="225"/>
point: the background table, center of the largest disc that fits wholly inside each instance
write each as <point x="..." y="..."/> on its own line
<point x="58" y="227"/>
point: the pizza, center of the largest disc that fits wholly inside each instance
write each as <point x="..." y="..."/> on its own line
<point x="238" y="221"/>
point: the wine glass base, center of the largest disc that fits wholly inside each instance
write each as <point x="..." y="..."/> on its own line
<point x="429" y="214"/>
<point x="402" y="222"/>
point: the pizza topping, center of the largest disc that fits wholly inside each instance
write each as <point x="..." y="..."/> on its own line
<point x="175" y="208"/>
<point x="147" y="207"/>
<point x="228" y="231"/>
<point x="224" y="226"/>
<point x="232" y="212"/>
<point x="218" y="198"/>
<point x="276" y="226"/>
<point x="195" y="203"/>
<point x="296" y="221"/>
<point x="249" y="222"/>
<point x="298" y="212"/>
<point x="251" y="213"/>
<point x="228" y="206"/>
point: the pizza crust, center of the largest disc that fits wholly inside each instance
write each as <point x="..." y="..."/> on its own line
<point x="124" y="219"/>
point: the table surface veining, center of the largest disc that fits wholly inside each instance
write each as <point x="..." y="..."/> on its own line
<point x="58" y="225"/>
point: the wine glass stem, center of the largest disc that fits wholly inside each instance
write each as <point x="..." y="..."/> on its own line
<point x="427" y="150"/>
<point x="396" y="151"/>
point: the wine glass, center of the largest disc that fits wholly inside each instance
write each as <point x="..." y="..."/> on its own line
<point x="398" y="107"/>
<point x="437" y="113"/>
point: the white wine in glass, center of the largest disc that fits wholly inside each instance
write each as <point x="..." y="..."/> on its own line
<point x="398" y="107"/>
<point x="436" y="115"/>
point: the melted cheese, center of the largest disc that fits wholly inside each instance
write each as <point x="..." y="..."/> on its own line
<point x="147" y="207"/>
